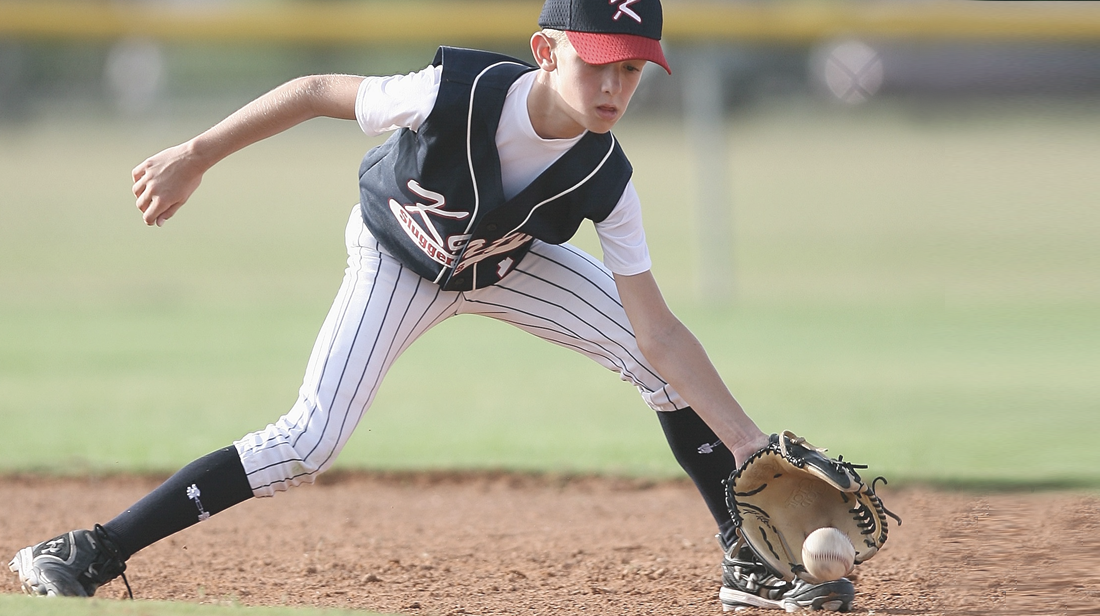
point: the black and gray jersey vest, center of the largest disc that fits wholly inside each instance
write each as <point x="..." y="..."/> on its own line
<point x="433" y="197"/>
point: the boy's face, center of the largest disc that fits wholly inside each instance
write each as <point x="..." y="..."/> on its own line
<point x="594" y="96"/>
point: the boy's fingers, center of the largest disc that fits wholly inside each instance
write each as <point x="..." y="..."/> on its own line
<point x="153" y="211"/>
<point x="168" y="213"/>
<point x="144" y="199"/>
<point x="160" y="211"/>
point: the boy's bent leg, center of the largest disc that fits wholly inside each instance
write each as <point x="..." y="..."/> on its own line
<point x="564" y="295"/>
<point x="705" y="459"/>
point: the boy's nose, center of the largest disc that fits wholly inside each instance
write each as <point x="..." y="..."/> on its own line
<point x="611" y="82"/>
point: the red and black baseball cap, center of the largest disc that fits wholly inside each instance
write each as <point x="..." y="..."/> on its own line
<point x="606" y="31"/>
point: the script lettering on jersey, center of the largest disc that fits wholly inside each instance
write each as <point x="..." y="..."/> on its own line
<point x="479" y="250"/>
<point x="624" y="9"/>
<point x="424" y="233"/>
<point x="457" y="241"/>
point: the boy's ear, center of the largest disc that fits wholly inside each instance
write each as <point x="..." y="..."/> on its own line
<point x="542" y="48"/>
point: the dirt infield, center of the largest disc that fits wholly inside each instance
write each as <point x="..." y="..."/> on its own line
<point x="447" y="544"/>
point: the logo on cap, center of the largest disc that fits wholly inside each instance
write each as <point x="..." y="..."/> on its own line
<point x="624" y="9"/>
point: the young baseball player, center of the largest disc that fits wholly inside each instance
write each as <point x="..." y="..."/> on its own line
<point x="464" y="210"/>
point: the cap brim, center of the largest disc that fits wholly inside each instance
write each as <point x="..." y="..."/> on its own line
<point x="597" y="48"/>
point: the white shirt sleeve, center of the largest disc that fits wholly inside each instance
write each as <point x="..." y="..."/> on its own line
<point x="622" y="237"/>
<point x="398" y="101"/>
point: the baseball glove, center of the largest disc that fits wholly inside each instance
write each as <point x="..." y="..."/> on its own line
<point x="789" y="489"/>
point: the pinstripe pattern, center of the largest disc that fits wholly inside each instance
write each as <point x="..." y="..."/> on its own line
<point x="557" y="293"/>
<point x="567" y="297"/>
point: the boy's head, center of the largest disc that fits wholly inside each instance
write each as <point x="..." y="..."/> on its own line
<point x="606" y="31"/>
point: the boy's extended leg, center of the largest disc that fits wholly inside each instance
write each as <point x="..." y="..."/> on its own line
<point x="380" y="310"/>
<point x="77" y="563"/>
<point x="209" y="485"/>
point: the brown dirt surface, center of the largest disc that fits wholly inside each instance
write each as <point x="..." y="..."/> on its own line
<point x="497" y="543"/>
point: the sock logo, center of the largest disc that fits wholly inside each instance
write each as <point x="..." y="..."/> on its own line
<point x="193" y="493"/>
<point x="709" y="447"/>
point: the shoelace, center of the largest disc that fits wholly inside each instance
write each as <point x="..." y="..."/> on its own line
<point x="758" y="574"/>
<point x="112" y="550"/>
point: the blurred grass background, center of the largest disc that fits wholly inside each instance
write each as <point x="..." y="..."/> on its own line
<point x="915" y="276"/>
<point x="915" y="288"/>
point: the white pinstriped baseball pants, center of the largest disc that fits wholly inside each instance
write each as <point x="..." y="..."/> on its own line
<point x="558" y="293"/>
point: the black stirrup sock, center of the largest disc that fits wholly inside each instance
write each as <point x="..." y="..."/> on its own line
<point x="213" y="483"/>
<point x="705" y="459"/>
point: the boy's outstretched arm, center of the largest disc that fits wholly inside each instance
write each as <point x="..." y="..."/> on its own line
<point x="164" y="181"/>
<point x="680" y="359"/>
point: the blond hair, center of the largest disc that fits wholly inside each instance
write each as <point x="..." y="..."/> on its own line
<point x="557" y="36"/>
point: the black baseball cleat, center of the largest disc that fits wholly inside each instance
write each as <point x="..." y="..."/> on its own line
<point x="746" y="582"/>
<point x="75" y="564"/>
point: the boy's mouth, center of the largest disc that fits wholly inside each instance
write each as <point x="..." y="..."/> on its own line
<point x="607" y="112"/>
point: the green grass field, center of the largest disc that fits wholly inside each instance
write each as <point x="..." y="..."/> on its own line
<point x="915" y="288"/>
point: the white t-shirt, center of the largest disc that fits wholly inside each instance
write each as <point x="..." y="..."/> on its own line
<point x="404" y="101"/>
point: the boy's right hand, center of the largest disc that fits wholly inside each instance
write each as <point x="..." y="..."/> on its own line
<point x="164" y="182"/>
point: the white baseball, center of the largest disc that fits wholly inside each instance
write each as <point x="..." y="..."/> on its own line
<point x="828" y="554"/>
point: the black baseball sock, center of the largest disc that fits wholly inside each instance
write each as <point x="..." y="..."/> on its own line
<point x="705" y="459"/>
<point x="213" y="483"/>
